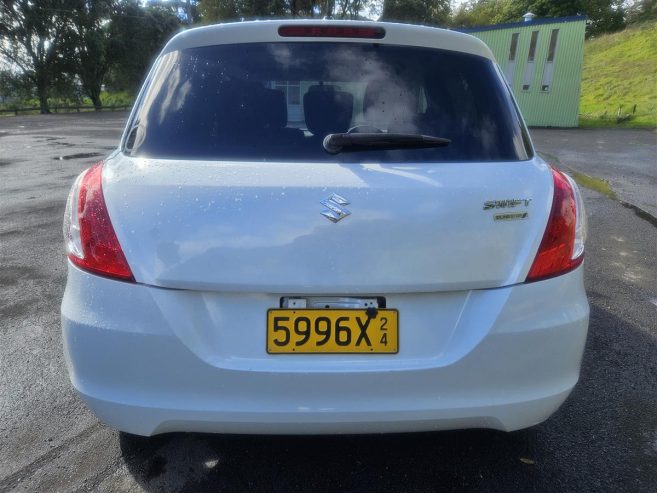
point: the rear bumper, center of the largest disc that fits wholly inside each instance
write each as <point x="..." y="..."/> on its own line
<point x="154" y="420"/>
<point x="140" y="372"/>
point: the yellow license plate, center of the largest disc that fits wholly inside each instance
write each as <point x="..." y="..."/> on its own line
<point x="332" y="331"/>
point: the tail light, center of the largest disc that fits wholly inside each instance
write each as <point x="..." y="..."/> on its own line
<point x="317" y="31"/>
<point x="562" y="247"/>
<point x="91" y="242"/>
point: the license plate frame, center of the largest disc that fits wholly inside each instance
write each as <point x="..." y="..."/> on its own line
<point x="385" y="320"/>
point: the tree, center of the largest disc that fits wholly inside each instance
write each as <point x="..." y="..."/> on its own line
<point x="434" y="12"/>
<point x="185" y="10"/>
<point x="227" y="10"/>
<point x="14" y="86"/>
<point x="89" y="46"/>
<point x="604" y="15"/>
<point x="347" y="9"/>
<point x="31" y="38"/>
<point x="476" y="13"/>
<point x="641" y="11"/>
<point x="218" y="10"/>
<point x="136" y="37"/>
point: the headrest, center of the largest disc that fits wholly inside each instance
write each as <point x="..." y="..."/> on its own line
<point x="322" y="87"/>
<point x="274" y="108"/>
<point x="240" y="103"/>
<point x="244" y="105"/>
<point x="386" y="101"/>
<point x="327" y="111"/>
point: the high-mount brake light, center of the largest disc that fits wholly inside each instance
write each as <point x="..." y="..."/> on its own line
<point x="315" y="31"/>
<point x="562" y="247"/>
<point x="91" y="242"/>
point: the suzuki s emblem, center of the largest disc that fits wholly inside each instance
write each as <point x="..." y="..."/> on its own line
<point x="335" y="209"/>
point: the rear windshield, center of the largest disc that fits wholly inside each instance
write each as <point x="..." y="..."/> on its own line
<point x="277" y="102"/>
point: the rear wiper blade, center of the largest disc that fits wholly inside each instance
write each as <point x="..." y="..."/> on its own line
<point x="336" y="143"/>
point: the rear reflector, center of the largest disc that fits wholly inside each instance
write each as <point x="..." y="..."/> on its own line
<point x="557" y="253"/>
<point x="91" y="241"/>
<point x="306" y="31"/>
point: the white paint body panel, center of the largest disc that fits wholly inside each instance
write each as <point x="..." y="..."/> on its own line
<point x="257" y="227"/>
<point x="267" y="31"/>
<point x="150" y="360"/>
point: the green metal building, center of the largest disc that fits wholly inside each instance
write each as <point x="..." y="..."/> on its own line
<point x="542" y="61"/>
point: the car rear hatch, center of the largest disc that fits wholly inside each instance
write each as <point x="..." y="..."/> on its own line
<point x="257" y="227"/>
<point x="224" y="182"/>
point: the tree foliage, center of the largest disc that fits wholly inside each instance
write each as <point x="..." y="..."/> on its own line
<point x="642" y="11"/>
<point x="137" y="35"/>
<point x="57" y="47"/>
<point x="31" y="38"/>
<point x="604" y="15"/>
<point x="435" y="12"/>
<point x="61" y="45"/>
<point x="88" y="44"/>
<point x="216" y="10"/>
<point x="14" y="86"/>
<point x="230" y="10"/>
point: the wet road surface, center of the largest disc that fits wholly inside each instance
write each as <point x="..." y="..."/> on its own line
<point x="603" y="439"/>
<point x="626" y="158"/>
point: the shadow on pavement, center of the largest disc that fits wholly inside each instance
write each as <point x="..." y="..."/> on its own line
<point x="599" y="440"/>
<point x="402" y="462"/>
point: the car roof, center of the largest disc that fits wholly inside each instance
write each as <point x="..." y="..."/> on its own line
<point x="267" y="31"/>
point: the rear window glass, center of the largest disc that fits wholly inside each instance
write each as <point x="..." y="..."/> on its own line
<point x="277" y="102"/>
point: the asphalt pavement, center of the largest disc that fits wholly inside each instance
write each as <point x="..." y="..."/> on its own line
<point x="604" y="438"/>
<point x="626" y="158"/>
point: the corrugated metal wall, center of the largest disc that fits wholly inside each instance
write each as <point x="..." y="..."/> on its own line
<point x="559" y="105"/>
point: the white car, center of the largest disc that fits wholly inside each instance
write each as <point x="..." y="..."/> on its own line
<point x="324" y="227"/>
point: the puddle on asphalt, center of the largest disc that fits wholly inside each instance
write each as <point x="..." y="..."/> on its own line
<point x="80" y="155"/>
<point x="55" y="141"/>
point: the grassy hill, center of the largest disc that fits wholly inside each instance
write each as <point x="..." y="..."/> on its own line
<point x="620" y="69"/>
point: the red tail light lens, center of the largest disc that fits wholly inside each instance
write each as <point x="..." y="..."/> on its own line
<point x="557" y="253"/>
<point x="91" y="241"/>
<point x="306" y="31"/>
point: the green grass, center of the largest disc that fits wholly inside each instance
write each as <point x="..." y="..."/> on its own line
<point x="620" y="70"/>
<point x="592" y="183"/>
<point x="116" y="99"/>
<point x="108" y="99"/>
